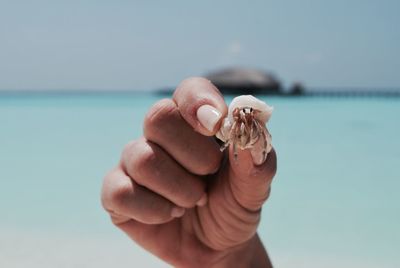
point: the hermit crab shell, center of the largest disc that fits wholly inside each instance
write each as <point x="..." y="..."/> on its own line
<point x="251" y="101"/>
<point x="243" y="101"/>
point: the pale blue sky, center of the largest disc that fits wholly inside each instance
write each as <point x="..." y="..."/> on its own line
<point x="150" y="44"/>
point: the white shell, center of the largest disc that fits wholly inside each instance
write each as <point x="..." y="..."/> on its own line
<point x="241" y="102"/>
<point x="253" y="102"/>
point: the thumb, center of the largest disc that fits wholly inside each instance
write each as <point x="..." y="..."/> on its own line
<point x="250" y="181"/>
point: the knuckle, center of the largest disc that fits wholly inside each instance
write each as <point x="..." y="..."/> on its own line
<point x="139" y="157"/>
<point x="120" y="194"/>
<point x="144" y="161"/>
<point x="116" y="190"/>
<point x="158" y="115"/>
<point x="129" y="151"/>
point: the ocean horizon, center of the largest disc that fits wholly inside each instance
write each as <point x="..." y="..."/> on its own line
<point x="165" y="90"/>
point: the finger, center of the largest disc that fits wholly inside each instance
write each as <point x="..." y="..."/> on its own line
<point x="250" y="183"/>
<point x="123" y="197"/>
<point x="165" y="126"/>
<point x="153" y="168"/>
<point x="201" y="105"/>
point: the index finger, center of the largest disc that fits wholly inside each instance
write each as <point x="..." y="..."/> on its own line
<point x="201" y="105"/>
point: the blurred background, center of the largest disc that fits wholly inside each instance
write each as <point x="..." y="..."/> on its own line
<point x="77" y="77"/>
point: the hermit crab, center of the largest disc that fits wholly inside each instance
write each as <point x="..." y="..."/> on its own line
<point x="245" y="125"/>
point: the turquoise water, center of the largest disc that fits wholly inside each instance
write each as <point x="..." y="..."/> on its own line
<point x="335" y="200"/>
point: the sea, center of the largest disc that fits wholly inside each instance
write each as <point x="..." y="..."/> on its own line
<point x="335" y="199"/>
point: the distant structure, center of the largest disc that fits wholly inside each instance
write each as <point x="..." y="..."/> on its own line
<point x="296" y="89"/>
<point x="245" y="81"/>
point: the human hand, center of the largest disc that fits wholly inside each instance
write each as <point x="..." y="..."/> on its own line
<point x="182" y="199"/>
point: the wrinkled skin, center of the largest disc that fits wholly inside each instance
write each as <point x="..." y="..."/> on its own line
<point x="178" y="196"/>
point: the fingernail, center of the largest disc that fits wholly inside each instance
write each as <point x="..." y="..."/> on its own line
<point x="258" y="153"/>
<point x="208" y="116"/>
<point x="202" y="201"/>
<point x="258" y="158"/>
<point x="177" y="212"/>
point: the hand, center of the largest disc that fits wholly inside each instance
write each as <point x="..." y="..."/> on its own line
<point x="182" y="199"/>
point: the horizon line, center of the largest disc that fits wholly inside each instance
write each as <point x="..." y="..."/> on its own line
<point x="167" y="89"/>
<point x="308" y="92"/>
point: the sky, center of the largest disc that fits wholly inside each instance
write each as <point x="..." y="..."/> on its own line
<point x="145" y="45"/>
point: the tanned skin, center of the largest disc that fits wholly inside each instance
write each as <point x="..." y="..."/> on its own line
<point x="182" y="199"/>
